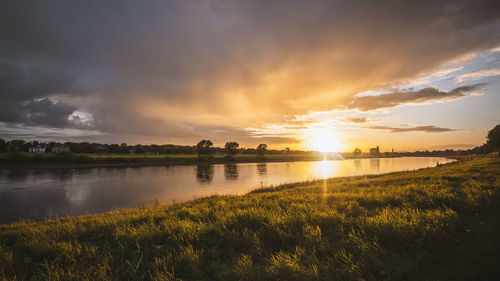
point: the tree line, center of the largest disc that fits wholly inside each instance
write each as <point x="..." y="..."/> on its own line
<point x="204" y="147"/>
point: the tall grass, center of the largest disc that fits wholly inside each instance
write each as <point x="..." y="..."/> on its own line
<point x="366" y="228"/>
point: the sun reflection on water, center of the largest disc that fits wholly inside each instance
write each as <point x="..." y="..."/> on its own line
<point x="324" y="169"/>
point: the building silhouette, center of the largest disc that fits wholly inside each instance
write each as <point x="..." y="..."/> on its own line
<point x="375" y="150"/>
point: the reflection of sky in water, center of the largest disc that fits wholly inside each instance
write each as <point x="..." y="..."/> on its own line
<point x="37" y="194"/>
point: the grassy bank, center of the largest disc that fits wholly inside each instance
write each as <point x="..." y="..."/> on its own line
<point x="75" y="160"/>
<point x="389" y="227"/>
<point x="46" y="159"/>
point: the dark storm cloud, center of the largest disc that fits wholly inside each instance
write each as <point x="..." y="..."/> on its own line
<point x="46" y="112"/>
<point x="26" y="132"/>
<point x="425" y="129"/>
<point x="367" y="103"/>
<point x="24" y="81"/>
<point x="219" y="62"/>
<point x="24" y="90"/>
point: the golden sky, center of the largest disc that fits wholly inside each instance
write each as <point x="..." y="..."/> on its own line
<point x="406" y="75"/>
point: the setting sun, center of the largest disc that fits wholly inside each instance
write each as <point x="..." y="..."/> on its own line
<point x="323" y="140"/>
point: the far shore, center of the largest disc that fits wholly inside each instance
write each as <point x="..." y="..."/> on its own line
<point x="124" y="161"/>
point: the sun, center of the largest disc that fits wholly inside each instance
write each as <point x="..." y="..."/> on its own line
<point x="323" y="140"/>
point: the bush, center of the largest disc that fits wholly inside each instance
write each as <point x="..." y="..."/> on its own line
<point x="229" y="158"/>
<point x="18" y="156"/>
<point x="205" y="157"/>
<point x="39" y="157"/>
<point x="65" y="156"/>
<point x="83" y="158"/>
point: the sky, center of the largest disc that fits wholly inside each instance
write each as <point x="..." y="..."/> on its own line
<point x="334" y="75"/>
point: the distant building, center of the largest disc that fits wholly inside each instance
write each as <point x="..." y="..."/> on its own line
<point x="37" y="149"/>
<point x="58" y="148"/>
<point x="132" y="151"/>
<point x="375" y="151"/>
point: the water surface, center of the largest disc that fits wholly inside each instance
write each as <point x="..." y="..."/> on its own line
<point x="39" y="194"/>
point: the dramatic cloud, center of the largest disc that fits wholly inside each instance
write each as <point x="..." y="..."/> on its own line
<point x="367" y="103"/>
<point x="425" y="129"/>
<point x="358" y="120"/>
<point x="178" y="70"/>
<point x="24" y="90"/>
<point x="477" y="75"/>
<point x="452" y="146"/>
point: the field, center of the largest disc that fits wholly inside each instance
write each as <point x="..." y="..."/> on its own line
<point x="22" y="158"/>
<point x="399" y="226"/>
<point x="107" y="159"/>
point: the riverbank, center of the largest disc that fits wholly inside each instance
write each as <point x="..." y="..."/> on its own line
<point x="388" y="227"/>
<point x="91" y="160"/>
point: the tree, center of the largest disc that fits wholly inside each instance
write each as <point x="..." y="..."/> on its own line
<point x="261" y="149"/>
<point x="124" y="148"/>
<point x="139" y="149"/>
<point x="231" y="148"/>
<point x="357" y="151"/>
<point x="493" y="137"/>
<point x="3" y="146"/>
<point x="204" y="147"/>
<point x="20" y="145"/>
<point x="33" y="143"/>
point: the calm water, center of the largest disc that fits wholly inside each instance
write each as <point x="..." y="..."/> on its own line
<point x="38" y="194"/>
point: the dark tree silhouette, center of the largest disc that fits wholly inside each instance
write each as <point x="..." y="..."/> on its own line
<point x="261" y="149"/>
<point x="204" y="147"/>
<point x="493" y="137"/>
<point x="231" y="148"/>
<point x="3" y="145"/>
<point x="357" y="151"/>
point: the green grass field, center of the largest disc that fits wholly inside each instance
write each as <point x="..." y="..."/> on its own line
<point x="21" y="158"/>
<point x="388" y="227"/>
<point x="91" y="158"/>
<point x="238" y="157"/>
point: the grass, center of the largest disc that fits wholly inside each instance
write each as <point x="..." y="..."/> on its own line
<point x="24" y="158"/>
<point x="194" y="157"/>
<point x="107" y="158"/>
<point x="389" y="227"/>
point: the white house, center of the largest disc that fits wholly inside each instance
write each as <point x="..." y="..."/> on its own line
<point x="36" y="149"/>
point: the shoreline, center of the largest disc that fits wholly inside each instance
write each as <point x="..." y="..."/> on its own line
<point x="126" y="164"/>
<point x="263" y="189"/>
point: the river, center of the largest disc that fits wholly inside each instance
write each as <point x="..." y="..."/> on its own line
<point x="46" y="193"/>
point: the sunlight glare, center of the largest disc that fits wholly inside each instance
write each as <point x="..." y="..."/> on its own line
<point x="323" y="140"/>
<point x="325" y="169"/>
